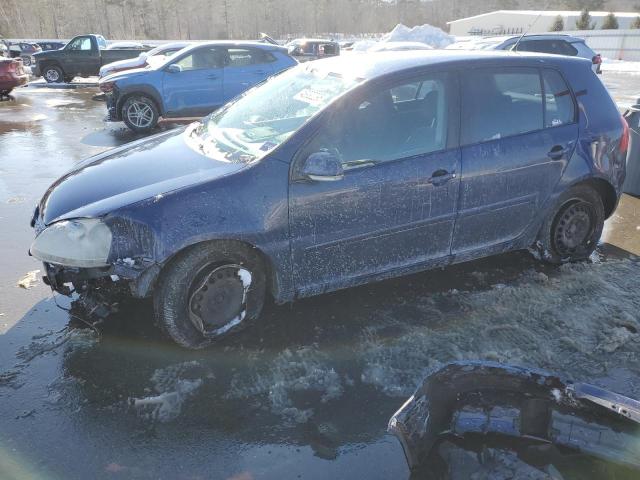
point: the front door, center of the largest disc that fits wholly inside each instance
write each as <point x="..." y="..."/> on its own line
<point x="81" y="56"/>
<point x="192" y="87"/>
<point x="245" y="68"/>
<point x="395" y="206"/>
<point x="516" y="141"/>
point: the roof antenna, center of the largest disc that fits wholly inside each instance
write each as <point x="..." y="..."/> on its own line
<point x="515" y="46"/>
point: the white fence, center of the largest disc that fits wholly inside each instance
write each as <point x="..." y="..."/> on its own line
<point x="615" y="44"/>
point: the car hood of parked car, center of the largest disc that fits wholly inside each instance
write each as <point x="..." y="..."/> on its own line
<point x="126" y="74"/>
<point x="132" y="173"/>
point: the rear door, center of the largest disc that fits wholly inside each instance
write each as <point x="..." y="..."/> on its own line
<point x="245" y="68"/>
<point x="195" y="89"/>
<point x="518" y="131"/>
<point x="395" y="206"/>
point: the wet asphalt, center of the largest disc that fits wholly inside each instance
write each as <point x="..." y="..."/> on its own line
<point x="308" y="392"/>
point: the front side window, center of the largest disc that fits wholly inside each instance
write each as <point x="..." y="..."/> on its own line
<point x="560" y="108"/>
<point x="202" y="59"/>
<point x="257" y="122"/>
<point x="405" y="120"/>
<point x="81" y="44"/>
<point x="500" y="103"/>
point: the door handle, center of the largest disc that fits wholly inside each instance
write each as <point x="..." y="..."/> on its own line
<point x="260" y="72"/>
<point x="441" y="176"/>
<point x="557" y="152"/>
<point x="212" y="77"/>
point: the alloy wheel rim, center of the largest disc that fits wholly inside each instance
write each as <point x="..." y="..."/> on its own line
<point x="218" y="303"/>
<point x="574" y="229"/>
<point x="140" y="114"/>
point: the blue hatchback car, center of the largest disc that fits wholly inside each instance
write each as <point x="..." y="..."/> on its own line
<point x="338" y="173"/>
<point x="191" y="83"/>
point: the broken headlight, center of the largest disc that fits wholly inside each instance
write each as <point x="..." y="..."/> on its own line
<point x="82" y="242"/>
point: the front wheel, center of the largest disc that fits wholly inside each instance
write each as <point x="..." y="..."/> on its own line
<point x="140" y="113"/>
<point x="572" y="230"/>
<point x="52" y="74"/>
<point x="209" y="292"/>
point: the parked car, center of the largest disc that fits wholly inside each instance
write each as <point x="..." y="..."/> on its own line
<point x="192" y="83"/>
<point x="557" y="44"/>
<point x="154" y="56"/>
<point x="12" y="75"/>
<point x="82" y="56"/>
<point x="4" y="49"/>
<point x="268" y="196"/>
<point x="399" y="46"/>
<point x="306" y="49"/>
<point x="46" y="46"/>
<point x="25" y="51"/>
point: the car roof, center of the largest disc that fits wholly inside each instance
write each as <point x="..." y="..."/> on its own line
<point x="312" y="40"/>
<point x="232" y="43"/>
<point x="540" y="36"/>
<point x="376" y="64"/>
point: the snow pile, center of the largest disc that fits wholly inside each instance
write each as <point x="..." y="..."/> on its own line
<point x="171" y="389"/>
<point x="432" y="36"/>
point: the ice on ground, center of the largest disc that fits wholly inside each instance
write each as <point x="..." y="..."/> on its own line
<point x="302" y="370"/>
<point x="574" y="323"/>
<point x="623" y="66"/>
<point x="426" y="33"/>
<point x="172" y="391"/>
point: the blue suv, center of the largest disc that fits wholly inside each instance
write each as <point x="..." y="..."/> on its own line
<point x="191" y="83"/>
<point x="337" y="173"/>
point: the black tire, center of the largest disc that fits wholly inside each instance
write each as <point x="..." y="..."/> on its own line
<point x="190" y="274"/>
<point x="6" y="92"/>
<point x="53" y="74"/>
<point x="572" y="230"/>
<point x="140" y="113"/>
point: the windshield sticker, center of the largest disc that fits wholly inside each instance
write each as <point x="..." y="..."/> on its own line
<point x="311" y="97"/>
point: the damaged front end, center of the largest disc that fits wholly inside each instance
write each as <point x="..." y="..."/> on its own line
<point x="101" y="260"/>
<point x="535" y="414"/>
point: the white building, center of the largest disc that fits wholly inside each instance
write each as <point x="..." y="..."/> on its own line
<point x="505" y="22"/>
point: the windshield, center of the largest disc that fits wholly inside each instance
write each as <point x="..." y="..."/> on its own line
<point x="257" y="122"/>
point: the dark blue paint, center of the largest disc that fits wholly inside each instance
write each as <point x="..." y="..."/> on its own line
<point x="159" y="196"/>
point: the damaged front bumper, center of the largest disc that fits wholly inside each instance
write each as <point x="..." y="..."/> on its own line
<point x="516" y="406"/>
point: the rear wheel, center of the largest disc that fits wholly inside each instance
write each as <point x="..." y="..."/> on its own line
<point x="52" y="74"/>
<point x="209" y="292"/>
<point x="572" y="230"/>
<point x="140" y="113"/>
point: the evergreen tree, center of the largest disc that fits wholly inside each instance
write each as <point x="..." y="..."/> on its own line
<point x="558" y="24"/>
<point x="584" y="21"/>
<point x="610" y="22"/>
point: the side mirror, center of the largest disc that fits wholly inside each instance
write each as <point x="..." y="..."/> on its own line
<point x="323" y="166"/>
<point x="174" y="68"/>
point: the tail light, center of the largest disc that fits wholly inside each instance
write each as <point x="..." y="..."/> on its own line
<point x="107" y="87"/>
<point x="624" y="140"/>
<point x="597" y="60"/>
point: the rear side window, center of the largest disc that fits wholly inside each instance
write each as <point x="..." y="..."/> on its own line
<point x="498" y="104"/>
<point x="560" y="107"/>
<point x="556" y="47"/>
<point x="241" y="57"/>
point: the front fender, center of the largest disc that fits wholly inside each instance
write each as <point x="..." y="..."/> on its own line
<point x="140" y="88"/>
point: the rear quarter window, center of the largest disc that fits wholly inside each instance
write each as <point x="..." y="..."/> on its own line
<point x="560" y="107"/>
